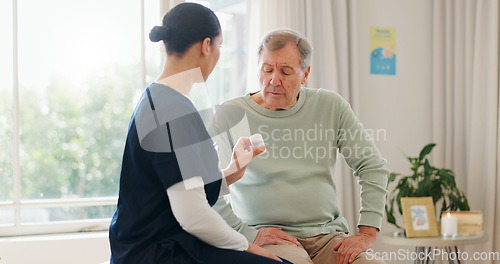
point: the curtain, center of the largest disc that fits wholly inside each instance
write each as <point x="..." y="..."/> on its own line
<point x="324" y="23"/>
<point x="465" y="103"/>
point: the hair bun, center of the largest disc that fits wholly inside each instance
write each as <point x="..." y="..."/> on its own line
<point x="159" y="33"/>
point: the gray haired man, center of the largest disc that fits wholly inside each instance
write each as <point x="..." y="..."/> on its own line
<point x="287" y="200"/>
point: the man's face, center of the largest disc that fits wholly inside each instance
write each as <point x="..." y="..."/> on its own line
<point x="280" y="77"/>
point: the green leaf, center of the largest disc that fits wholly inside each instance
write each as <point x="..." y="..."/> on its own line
<point x="444" y="206"/>
<point x="392" y="177"/>
<point x="455" y="201"/>
<point x="426" y="150"/>
<point x="437" y="190"/>
<point x="390" y="217"/>
<point x="427" y="168"/>
<point x="465" y="204"/>
<point x="447" y="177"/>
<point x="398" y="202"/>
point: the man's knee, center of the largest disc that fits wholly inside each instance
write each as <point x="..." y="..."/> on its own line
<point x="366" y="258"/>
<point x="296" y="255"/>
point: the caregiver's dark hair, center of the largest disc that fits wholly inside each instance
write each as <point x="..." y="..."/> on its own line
<point x="184" y="25"/>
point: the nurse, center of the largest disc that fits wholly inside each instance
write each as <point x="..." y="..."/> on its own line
<point x="170" y="176"/>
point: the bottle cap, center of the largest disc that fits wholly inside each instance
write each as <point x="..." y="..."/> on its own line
<point x="257" y="140"/>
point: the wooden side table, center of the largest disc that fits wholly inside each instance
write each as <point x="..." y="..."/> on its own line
<point x="430" y="243"/>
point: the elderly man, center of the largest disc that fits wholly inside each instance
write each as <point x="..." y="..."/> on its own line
<point x="287" y="200"/>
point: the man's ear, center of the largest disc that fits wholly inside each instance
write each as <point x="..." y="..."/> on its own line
<point x="306" y="74"/>
<point x="205" y="46"/>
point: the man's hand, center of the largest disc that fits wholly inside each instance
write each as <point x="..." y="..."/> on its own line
<point x="350" y="247"/>
<point x="274" y="236"/>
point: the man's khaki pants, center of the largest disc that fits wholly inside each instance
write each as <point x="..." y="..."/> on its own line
<point x="317" y="250"/>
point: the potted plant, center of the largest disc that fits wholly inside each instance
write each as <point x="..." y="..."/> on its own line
<point x="425" y="180"/>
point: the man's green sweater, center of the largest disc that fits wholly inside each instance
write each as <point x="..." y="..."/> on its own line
<point x="291" y="185"/>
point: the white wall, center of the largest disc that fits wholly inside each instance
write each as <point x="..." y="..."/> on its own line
<point x="400" y="104"/>
<point x="81" y="248"/>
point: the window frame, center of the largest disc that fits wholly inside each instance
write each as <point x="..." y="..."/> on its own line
<point x="85" y="225"/>
<point x="17" y="204"/>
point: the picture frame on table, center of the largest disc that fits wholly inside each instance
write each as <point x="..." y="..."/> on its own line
<point x="419" y="217"/>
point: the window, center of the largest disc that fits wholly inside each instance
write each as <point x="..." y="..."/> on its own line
<point x="228" y="80"/>
<point x="71" y="72"/>
<point x="65" y="108"/>
<point x="6" y="107"/>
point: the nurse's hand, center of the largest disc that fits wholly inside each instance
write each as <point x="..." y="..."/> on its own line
<point x="254" y="249"/>
<point x="242" y="155"/>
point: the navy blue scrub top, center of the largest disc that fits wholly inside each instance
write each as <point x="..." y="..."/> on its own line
<point x="143" y="228"/>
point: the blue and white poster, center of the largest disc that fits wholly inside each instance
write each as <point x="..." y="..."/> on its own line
<point x="383" y="51"/>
